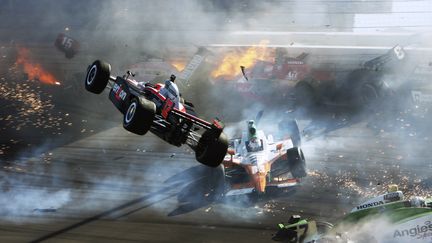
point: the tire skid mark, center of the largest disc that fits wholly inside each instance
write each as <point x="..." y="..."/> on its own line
<point x="114" y="210"/>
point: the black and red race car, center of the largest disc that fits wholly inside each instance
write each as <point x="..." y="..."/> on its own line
<point x="145" y="109"/>
<point x="67" y="45"/>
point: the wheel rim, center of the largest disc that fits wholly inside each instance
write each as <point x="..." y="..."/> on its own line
<point x="130" y="112"/>
<point x="91" y="75"/>
<point x="368" y="93"/>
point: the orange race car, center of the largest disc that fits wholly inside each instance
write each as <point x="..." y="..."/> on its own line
<point x="257" y="163"/>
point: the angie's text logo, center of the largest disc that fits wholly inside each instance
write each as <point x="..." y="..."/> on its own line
<point x="419" y="231"/>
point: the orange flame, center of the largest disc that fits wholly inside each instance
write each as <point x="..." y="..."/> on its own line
<point x="34" y="70"/>
<point x="230" y="65"/>
<point x="179" y="65"/>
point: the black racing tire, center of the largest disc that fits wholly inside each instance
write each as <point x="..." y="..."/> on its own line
<point x="323" y="227"/>
<point x="368" y="94"/>
<point x="297" y="162"/>
<point x="97" y="76"/>
<point x="286" y="236"/>
<point x="211" y="151"/>
<point x="291" y="128"/>
<point x="139" y="116"/>
<point x="304" y="95"/>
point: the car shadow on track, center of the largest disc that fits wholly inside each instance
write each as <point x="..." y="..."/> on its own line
<point x="197" y="193"/>
<point x="195" y="190"/>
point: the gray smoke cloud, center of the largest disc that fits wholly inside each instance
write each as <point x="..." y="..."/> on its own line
<point x="124" y="32"/>
<point x="382" y="229"/>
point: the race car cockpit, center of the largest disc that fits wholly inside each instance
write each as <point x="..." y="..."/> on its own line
<point x="254" y="145"/>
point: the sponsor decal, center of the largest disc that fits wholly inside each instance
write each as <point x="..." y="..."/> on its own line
<point x="369" y="205"/>
<point x="119" y="92"/>
<point x="423" y="70"/>
<point x="394" y="196"/>
<point x="419" y="97"/>
<point x="295" y="62"/>
<point x="420" y="231"/>
<point x="169" y="104"/>
<point x="292" y="75"/>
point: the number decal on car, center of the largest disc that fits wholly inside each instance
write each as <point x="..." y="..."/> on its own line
<point x="167" y="108"/>
<point x="67" y="43"/>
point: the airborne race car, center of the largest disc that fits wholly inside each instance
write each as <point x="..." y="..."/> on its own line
<point x="258" y="164"/>
<point x="145" y="109"/>
<point x="386" y="218"/>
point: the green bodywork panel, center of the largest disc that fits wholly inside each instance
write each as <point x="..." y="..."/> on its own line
<point x="287" y="226"/>
<point x="396" y="212"/>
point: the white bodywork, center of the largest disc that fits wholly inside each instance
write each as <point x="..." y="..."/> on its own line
<point x="256" y="153"/>
<point x="380" y="200"/>
<point x="262" y="156"/>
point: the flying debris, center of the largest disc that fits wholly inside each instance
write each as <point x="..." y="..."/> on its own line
<point x="67" y="45"/>
<point x="156" y="70"/>
<point x="227" y="69"/>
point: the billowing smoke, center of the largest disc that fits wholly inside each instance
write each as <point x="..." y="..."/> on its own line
<point x="33" y="202"/>
<point x="125" y="32"/>
<point x="380" y="228"/>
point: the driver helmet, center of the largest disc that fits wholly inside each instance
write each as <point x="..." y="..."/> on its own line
<point x="417" y="202"/>
<point x="392" y="188"/>
<point x="172" y="78"/>
<point x="252" y="130"/>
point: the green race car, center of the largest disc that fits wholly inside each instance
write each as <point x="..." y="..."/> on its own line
<point x="386" y="218"/>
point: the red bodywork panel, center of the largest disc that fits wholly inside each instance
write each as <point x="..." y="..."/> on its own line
<point x="292" y="70"/>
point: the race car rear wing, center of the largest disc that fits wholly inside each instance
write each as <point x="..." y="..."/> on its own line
<point x="397" y="53"/>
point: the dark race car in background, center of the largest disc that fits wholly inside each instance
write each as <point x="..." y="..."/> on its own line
<point x="145" y="109"/>
<point x="301" y="83"/>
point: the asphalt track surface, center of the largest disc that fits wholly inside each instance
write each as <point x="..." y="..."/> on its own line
<point x="118" y="187"/>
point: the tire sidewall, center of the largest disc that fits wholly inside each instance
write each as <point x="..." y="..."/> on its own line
<point x="298" y="163"/>
<point x="209" y="148"/>
<point x="139" y="116"/>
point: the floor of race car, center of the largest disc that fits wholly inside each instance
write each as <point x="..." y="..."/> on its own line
<point x="118" y="187"/>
